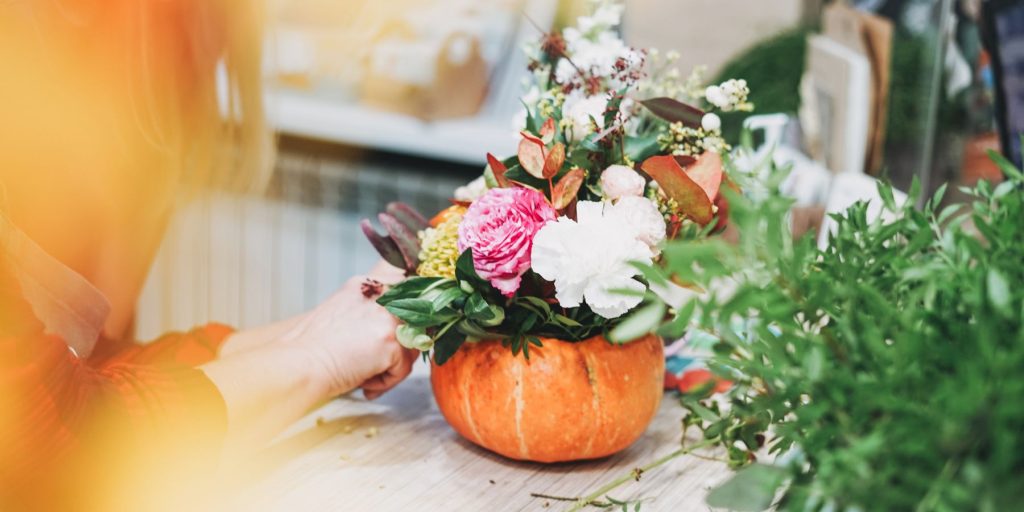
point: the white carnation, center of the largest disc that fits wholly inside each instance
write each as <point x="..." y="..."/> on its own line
<point x="588" y="259"/>
<point x="642" y="215"/>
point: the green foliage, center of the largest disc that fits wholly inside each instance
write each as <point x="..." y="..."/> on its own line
<point x="467" y="308"/>
<point x="887" y="370"/>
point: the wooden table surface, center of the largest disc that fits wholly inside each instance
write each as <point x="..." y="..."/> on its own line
<point x="398" y="454"/>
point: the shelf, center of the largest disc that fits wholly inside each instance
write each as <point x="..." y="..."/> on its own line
<point x="464" y="141"/>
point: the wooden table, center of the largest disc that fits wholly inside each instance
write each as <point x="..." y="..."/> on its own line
<point x="398" y="454"/>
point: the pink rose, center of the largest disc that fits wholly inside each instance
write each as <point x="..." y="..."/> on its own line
<point x="499" y="228"/>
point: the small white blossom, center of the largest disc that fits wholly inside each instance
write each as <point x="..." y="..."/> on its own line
<point x="582" y="113"/>
<point x="471" y="191"/>
<point x="711" y="122"/>
<point x="619" y="181"/>
<point x="729" y="95"/>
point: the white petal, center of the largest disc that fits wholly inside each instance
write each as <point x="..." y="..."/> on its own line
<point x="613" y="304"/>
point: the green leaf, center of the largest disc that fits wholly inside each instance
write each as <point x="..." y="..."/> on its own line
<point x="885" y="192"/>
<point x="447" y="344"/>
<point x="643" y="147"/>
<point x="1006" y="166"/>
<point x="408" y="289"/>
<point x="414" y="312"/>
<point x="538" y="305"/>
<point x="751" y="489"/>
<point x="566" y="321"/>
<point x="641" y="322"/>
<point x="478" y="309"/>
<point x="999" y="292"/>
<point x="466" y="272"/>
<point x="446" y="297"/>
<point x="517" y="174"/>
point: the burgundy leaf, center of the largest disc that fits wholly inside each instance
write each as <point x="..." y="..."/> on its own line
<point x="408" y="241"/>
<point x="384" y="245"/>
<point x="675" y="111"/>
<point x="407" y="216"/>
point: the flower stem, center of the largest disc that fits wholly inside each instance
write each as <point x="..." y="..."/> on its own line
<point x="635" y="474"/>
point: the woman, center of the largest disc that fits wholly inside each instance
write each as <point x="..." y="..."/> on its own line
<point x="108" y="116"/>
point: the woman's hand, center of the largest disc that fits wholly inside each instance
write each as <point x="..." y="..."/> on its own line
<point x="351" y="341"/>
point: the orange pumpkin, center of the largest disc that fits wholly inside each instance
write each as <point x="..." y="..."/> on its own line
<point x="569" y="401"/>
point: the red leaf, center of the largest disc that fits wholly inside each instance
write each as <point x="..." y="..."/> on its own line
<point x="547" y="132"/>
<point x="498" y="169"/>
<point x="566" y="189"/>
<point x="675" y="111"/>
<point x="553" y="163"/>
<point x="692" y="200"/>
<point x="685" y="160"/>
<point x="707" y="172"/>
<point x="531" y="156"/>
<point x="529" y="136"/>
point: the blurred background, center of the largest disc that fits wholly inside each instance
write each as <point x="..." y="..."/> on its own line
<point x="401" y="100"/>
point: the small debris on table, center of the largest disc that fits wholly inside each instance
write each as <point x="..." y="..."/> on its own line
<point x="371" y="432"/>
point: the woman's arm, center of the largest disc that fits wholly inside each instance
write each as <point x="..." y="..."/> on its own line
<point x="249" y="339"/>
<point x="345" y="343"/>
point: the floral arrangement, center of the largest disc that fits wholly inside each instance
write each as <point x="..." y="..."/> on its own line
<point x="618" y="154"/>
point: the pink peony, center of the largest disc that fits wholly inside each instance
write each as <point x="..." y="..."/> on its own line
<point x="499" y="228"/>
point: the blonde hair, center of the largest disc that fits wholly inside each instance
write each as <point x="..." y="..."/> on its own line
<point x="185" y="76"/>
<point x="216" y="135"/>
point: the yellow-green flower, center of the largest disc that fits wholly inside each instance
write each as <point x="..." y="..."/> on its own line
<point x="439" y="247"/>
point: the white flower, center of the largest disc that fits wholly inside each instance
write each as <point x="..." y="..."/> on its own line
<point x="730" y="95"/>
<point x="715" y="96"/>
<point x="583" y="112"/>
<point x="711" y="122"/>
<point x="588" y="259"/>
<point x="471" y="191"/>
<point x="644" y="218"/>
<point x="619" y="181"/>
<point x="607" y="16"/>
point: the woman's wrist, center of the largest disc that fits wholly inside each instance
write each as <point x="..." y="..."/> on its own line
<point x="250" y="339"/>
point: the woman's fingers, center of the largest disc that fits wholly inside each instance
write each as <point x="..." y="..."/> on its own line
<point x="383" y="382"/>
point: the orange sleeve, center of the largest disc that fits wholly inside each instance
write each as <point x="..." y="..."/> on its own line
<point x="198" y="346"/>
<point x="74" y="435"/>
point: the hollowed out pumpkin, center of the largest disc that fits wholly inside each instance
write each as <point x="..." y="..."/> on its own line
<point x="570" y="401"/>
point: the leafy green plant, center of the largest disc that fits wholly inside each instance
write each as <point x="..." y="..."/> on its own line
<point x="887" y="368"/>
<point x="885" y="372"/>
